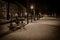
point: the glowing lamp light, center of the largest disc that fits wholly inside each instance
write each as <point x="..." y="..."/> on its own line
<point x="32" y="7"/>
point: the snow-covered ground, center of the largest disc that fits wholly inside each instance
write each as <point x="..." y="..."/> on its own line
<point x="38" y="30"/>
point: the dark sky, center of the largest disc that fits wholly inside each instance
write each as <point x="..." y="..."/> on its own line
<point x="51" y="4"/>
<point x="23" y="2"/>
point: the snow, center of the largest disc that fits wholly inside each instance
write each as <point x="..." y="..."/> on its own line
<point x="37" y="30"/>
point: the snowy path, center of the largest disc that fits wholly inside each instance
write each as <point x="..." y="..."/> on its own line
<point x="39" y="30"/>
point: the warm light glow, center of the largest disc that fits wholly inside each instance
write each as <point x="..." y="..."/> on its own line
<point x="32" y="7"/>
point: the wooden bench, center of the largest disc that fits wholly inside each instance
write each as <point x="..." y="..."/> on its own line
<point x="3" y="22"/>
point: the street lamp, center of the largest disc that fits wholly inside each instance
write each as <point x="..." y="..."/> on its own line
<point x="33" y="12"/>
<point x="26" y="16"/>
<point x="32" y="7"/>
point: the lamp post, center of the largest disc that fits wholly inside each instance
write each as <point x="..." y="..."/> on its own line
<point x="8" y="5"/>
<point x="26" y="16"/>
<point x="11" y="25"/>
<point x="34" y="15"/>
<point x="32" y="12"/>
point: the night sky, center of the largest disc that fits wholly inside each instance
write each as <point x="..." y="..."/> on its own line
<point x="51" y="4"/>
